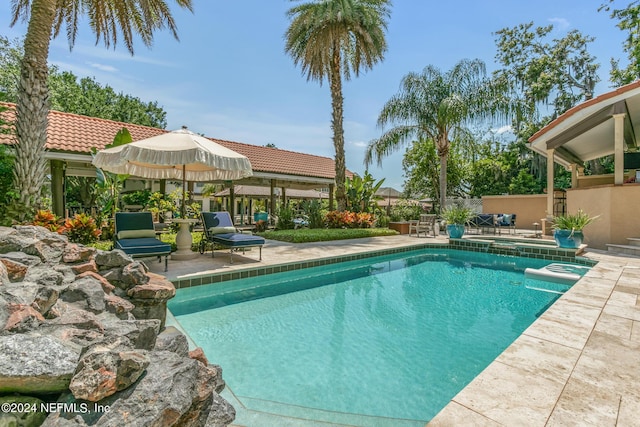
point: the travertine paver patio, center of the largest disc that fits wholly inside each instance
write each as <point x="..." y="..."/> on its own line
<point x="578" y="364"/>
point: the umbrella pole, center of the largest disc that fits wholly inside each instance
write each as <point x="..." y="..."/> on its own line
<point x="183" y="209"/>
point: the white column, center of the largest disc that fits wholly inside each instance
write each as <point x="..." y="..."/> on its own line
<point x="550" y="164"/>
<point x="574" y="175"/>
<point x="618" y="148"/>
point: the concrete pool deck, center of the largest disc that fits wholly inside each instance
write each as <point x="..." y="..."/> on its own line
<point x="578" y="364"/>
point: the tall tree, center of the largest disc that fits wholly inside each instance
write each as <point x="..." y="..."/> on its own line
<point x="108" y="20"/>
<point x="331" y="39"/>
<point x="629" y="21"/>
<point x="79" y="96"/>
<point x="543" y="77"/>
<point x="434" y="106"/>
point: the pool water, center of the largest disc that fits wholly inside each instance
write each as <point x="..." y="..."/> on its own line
<point x="391" y="337"/>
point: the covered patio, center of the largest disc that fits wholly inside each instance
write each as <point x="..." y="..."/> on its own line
<point x="602" y="126"/>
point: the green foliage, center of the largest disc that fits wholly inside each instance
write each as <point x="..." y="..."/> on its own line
<point x="158" y="203"/>
<point x="138" y="197"/>
<point x="457" y="214"/>
<point x="361" y="192"/>
<point x="315" y="214"/>
<point x="436" y="106"/>
<point x="525" y="183"/>
<point x="109" y="185"/>
<point x="404" y="210"/>
<point x="285" y="218"/>
<point x="82" y="228"/>
<point x="574" y="222"/>
<point x="82" y="96"/>
<point x="306" y="235"/>
<point x="536" y="72"/>
<point x="629" y="22"/>
<point x="332" y="39"/>
<point x="382" y="220"/>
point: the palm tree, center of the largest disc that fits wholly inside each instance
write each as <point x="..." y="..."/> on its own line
<point x="332" y="39"/>
<point x="108" y="20"/>
<point x="434" y="106"/>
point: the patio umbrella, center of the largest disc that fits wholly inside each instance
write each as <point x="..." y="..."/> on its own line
<point x="180" y="154"/>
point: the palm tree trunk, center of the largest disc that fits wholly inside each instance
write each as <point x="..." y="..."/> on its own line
<point x="443" y="182"/>
<point x="442" y="147"/>
<point x="337" y="103"/>
<point x="33" y="107"/>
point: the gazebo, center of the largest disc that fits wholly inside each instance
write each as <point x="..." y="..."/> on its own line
<point x="602" y="126"/>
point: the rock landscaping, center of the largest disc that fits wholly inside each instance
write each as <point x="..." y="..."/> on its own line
<point x="83" y="341"/>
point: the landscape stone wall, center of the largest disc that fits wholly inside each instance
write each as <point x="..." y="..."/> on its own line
<point x="83" y="342"/>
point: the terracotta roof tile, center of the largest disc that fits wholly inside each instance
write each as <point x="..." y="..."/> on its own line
<point x="78" y="134"/>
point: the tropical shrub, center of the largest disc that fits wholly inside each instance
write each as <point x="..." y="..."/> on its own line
<point x="82" y="229"/>
<point x="347" y="219"/>
<point x="138" y="197"/>
<point x="285" y="218"/>
<point x="405" y="210"/>
<point x="47" y="219"/>
<point x="573" y="222"/>
<point x="314" y="212"/>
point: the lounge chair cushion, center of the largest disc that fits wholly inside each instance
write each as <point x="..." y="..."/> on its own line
<point x="222" y="230"/>
<point x="143" y="246"/>
<point x="136" y="234"/>
<point x="238" y="240"/>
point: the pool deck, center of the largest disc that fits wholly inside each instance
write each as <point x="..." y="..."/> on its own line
<point x="578" y="364"/>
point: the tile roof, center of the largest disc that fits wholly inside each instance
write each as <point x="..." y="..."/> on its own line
<point x="78" y="134"/>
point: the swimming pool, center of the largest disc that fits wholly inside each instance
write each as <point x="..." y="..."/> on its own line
<point x="364" y="341"/>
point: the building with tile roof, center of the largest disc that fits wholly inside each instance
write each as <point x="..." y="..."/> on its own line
<point x="71" y="138"/>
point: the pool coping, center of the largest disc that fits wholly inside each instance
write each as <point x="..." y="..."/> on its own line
<point x="560" y="369"/>
<point x="577" y="364"/>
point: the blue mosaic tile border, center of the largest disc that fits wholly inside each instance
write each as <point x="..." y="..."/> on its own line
<point x="552" y="254"/>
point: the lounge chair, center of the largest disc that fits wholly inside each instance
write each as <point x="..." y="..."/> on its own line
<point x="481" y="222"/>
<point x="219" y="229"/>
<point x="135" y="235"/>
<point x="426" y="224"/>
<point x="507" y="221"/>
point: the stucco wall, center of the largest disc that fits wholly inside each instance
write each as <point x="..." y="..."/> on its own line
<point x="619" y="210"/>
<point x="529" y="208"/>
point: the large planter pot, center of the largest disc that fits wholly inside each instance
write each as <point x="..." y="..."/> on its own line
<point x="401" y="227"/>
<point x="455" y="230"/>
<point x="260" y="216"/>
<point x="568" y="239"/>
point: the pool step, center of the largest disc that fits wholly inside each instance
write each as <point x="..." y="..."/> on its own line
<point x="633" y="248"/>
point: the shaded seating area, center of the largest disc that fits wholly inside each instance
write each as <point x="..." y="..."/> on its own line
<point x="482" y="222"/>
<point x="426" y="224"/>
<point x="494" y="222"/>
<point x="219" y="229"/>
<point x="135" y="235"/>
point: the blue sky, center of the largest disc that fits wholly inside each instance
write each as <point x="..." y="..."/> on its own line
<point x="229" y="78"/>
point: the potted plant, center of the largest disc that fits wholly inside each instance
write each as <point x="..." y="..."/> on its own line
<point x="568" y="229"/>
<point x="456" y="217"/>
<point x="259" y="213"/>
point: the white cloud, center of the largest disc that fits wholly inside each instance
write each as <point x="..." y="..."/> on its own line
<point x="102" y="67"/>
<point x="560" y="23"/>
<point x="360" y="144"/>
<point x="503" y="129"/>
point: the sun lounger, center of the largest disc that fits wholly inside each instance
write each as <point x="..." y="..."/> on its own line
<point x="219" y="229"/>
<point x="135" y="235"/>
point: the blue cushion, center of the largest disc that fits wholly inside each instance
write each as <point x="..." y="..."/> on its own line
<point x="216" y="219"/>
<point x="237" y="240"/>
<point x="146" y="246"/>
